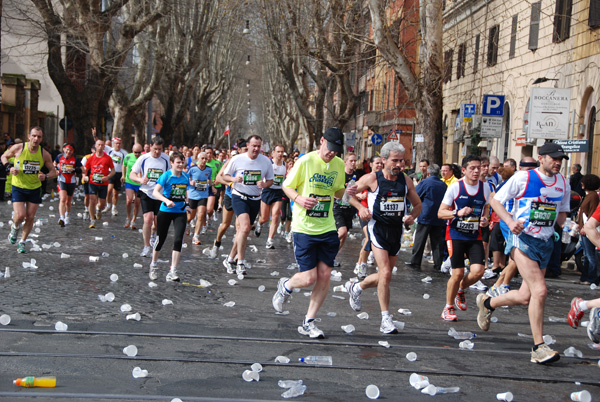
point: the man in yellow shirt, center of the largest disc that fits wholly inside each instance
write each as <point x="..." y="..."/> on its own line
<point x="448" y="174"/>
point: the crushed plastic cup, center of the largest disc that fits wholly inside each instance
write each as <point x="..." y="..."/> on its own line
<point x="250" y="376"/>
<point x="372" y="391"/>
<point x="426" y="296"/>
<point x="572" y="352"/>
<point x="136" y="265"/>
<point x="135" y="317"/>
<point x="94" y="259"/>
<point x="427" y="279"/>
<point x="466" y="344"/>
<point x="152" y="284"/>
<point x="125" y="308"/>
<point x="125" y="255"/>
<point x="114" y="277"/>
<point x="7" y="272"/>
<point x="109" y="297"/>
<point x="549" y="340"/>
<point x="240" y="277"/>
<point x="433" y="390"/>
<point x="274" y="273"/>
<point x="385" y="344"/>
<point x="176" y="400"/>
<point x="348" y="328"/>
<point x="63" y="255"/>
<point x="331" y="314"/>
<point x="494" y="319"/>
<point x="583" y="396"/>
<point x="418" y="381"/>
<point x="411" y="356"/>
<point x="137" y="372"/>
<point x="261" y="288"/>
<point x="56" y="244"/>
<point x="229" y="304"/>
<point x="98" y="238"/>
<point x="4" y="319"/>
<point x="399" y="325"/>
<point x="404" y="311"/>
<point x="130" y="350"/>
<point x="282" y="359"/>
<point x="231" y="282"/>
<point x="289" y="383"/>
<point x="295" y="391"/>
<point x="257" y="367"/>
<point x="166" y="302"/>
<point x="102" y="298"/>
<point x="205" y="283"/>
<point x="61" y="326"/>
<point x="104" y="223"/>
<point x="504" y="396"/>
<point x="105" y="254"/>
<point x="363" y="316"/>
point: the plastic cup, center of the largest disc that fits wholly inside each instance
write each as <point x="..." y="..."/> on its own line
<point x="583" y="396"/>
<point x="125" y="255"/>
<point x="426" y="296"/>
<point x="348" y="328"/>
<point x="282" y="359"/>
<point x="109" y="297"/>
<point x="61" y="326"/>
<point x="114" y="277"/>
<point x="125" y="308"/>
<point x="261" y="288"/>
<point x="250" y="376"/>
<point x="166" y="302"/>
<point x="4" y="319"/>
<point x="418" y="381"/>
<point x="135" y="317"/>
<point x="137" y="372"/>
<point x="372" y="391"/>
<point x="411" y="357"/>
<point x="231" y="282"/>
<point x="257" y="367"/>
<point x="130" y="350"/>
<point x="505" y="396"/>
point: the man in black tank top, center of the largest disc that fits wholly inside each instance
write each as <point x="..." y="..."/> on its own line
<point x="388" y="192"/>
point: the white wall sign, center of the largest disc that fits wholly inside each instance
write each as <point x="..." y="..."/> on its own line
<point x="491" y="127"/>
<point x="549" y="113"/>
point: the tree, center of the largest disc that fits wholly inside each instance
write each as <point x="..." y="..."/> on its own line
<point x="423" y="84"/>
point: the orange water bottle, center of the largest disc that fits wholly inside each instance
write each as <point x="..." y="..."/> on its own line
<point x="46" y="382"/>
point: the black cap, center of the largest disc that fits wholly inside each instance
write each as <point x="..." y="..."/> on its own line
<point x="335" y="139"/>
<point x="553" y="150"/>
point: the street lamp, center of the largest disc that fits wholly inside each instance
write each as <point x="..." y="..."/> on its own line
<point x="543" y="79"/>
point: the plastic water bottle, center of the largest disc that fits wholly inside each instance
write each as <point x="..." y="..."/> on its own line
<point x="433" y="390"/>
<point x="317" y="360"/>
<point x="460" y="335"/>
<point x="346" y="197"/>
<point x="566" y="234"/>
<point x="294" y="391"/>
<point x="45" y="382"/>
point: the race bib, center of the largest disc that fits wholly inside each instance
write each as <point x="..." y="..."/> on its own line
<point x="154" y="174"/>
<point x="116" y="159"/>
<point x="178" y="192"/>
<point x="392" y="206"/>
<point x="278" y="180"/>
<point x="201" y="185"/>
<point x="251" y="177"/>
<point x="31" y="167"/>
<point x="97" y="177"/>
<point x="67" y="168"/>
<point x="542" y="214"/>
<point x="321" y="210"/>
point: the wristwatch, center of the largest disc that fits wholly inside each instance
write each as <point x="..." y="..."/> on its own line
<point x="455" y="213"/>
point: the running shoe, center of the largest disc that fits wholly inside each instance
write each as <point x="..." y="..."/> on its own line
<point x="12" y="236"/>
<point x="106" y="208"/>
<point x="289" y="238"/>
<point x="153" y="274"/>
<point x="127" y="223"/>
<point x="257" y="230"/>
<point x="229" y="265"/>
<point x="575" y="314"/>
<point x="98" y="214"/>
<point x="240" y="269"/>
<point x="214" y="217"/>
<point x="92" y="224"/>
<point x="446" y="266"/>
<point x="172" y="275"/>
<point x="270" y="244"/>
<point x="503" y="289"/>
<point x="146" y="252"/>
<point x="114" y="212"/>
<point x="489" y="273"/>
<point x="492" y="292"/>
<point x="461" y="301"/>
<point x="213" y="252"/>
<point x="133" y="227"/>
<point x="484" y="315"/>
<point x="387" y="326"/>
<point x="86" y="215"/>
<point x="203" y="231"/>
<point x="362" y="271"/>
<point x="449" y="314"/>
<point x="310" y="329"/>
<point x="356" y="268"/>
<point x="196" y="240"/>
<point x="371" y="259"/>
<point x="61" y="223"/>
<point x="479" y="286"/>
<point x="21" y="248"/>
<point x="354" y="298"/>
<point x="336" y="263"/>
<point x="67" y="220"/>
<point x="281" y="295"/>
<point x="544" y="354"/>
<point x="593" y="328"/>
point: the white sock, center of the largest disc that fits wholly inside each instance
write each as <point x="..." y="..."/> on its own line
<point x="242" y="262"/>
<point x="583" y="305"/>
<point x="357" y="288"/>
<point x="385" y="314"/>
<point x="62" y="218"/>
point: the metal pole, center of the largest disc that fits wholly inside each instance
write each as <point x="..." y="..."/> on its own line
<point x="149" y="127"/>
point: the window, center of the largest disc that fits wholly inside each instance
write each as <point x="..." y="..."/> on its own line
<point x="562" y="20"/>
<point x="492" y="55"/>
<point x="462" y="59"/>
<point x="513" y="36"/>
<point x="534" y="25"/>
<point x="448" y="54"/>
<point x="371" y="96"/>
<point x="594" y="20"/>
<point x="476" y="56"/>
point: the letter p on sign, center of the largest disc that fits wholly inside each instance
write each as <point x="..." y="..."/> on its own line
<point x="493" y="105"/>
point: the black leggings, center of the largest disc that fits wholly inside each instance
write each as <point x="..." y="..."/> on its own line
<point x="286" y="210"/>
<point x="163" y="221"/>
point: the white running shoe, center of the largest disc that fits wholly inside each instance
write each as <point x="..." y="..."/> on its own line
<point x="215" y="219"/>
<point x="289" y="237"/>
<point x="371" y="259"/>
<point x="479" y="286"/>
<point x="362" y="271"/>
<point x="106" y="208"/>
<point x="354" y="296"/>
<point x="153" y="274"/>
<point x="270" y="244"/>
<point x="387" y="325"/>
<point x="203" y="231"/>
<point x="310" y="329"/>
<point x="229" y="265"/>
<point x="67" y="220"/>
<point x="489" y="273"/>
<point x="213" y="252"/>
<point x="146" y="252"/>
<point x="172" y="275"/>
<point x="114" y="212"/>
<point x="240" y="268"/>
<point x="281" y="295"/>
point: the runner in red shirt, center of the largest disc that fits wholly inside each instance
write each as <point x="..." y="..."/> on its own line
<point x="66" y="163"/>
<point x="101" y="169"/>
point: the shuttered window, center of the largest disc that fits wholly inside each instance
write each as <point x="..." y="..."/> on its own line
<point x="562" y="20"/>
<point x="594" y="20"/>
<point x="448" y="54"/>
<point x="476" y="54"/>
<point x="534" y="25"/>
<point x="513" y="36"/>
<point x="493" y="39"/>
<point x="462" y="60"/>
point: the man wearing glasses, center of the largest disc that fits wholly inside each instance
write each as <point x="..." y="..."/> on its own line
<point x="131" y="187"/>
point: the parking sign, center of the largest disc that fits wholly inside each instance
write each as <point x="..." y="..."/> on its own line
<point x="493" y="105"/>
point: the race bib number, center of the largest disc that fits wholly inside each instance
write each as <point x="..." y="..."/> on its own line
<point x="542" y="214"/>
<point x="321" y="210"/>
<point x="67" y="168"/>
<point x="97" y="177"/>
<point x="154" y="174"/>
<point x="31" y="167"/>
<point x="278" y="179"/>
<point x="201" y="185"/>
<point x="251" y="177"/>
<point x="178" y="192"/>
<point x="468" y="224"/>
<point x="116" y="159"/>
<point x="392" y="206"/>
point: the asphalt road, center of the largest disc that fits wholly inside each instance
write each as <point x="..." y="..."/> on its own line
<point x="197" y="348"/>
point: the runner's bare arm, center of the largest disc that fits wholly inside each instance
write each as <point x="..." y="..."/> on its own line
<point x="591" y="231"/>
<point x="11" y="152"/>
<point x="52" y="173"/>
<point x="515" y="226"/>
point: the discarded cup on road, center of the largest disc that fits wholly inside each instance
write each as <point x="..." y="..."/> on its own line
<point x="411" y="356"/>
<point x="348" y="328"/>
<point x="229" y="304"/>
<point x="296" y="390"/>
<point x="104" y="223"/>
<point x="261" y="288"/>
<point x="331" y="314"/>
<point x="109" y="297"/>
<point x="240" y="277"/>
<point x="427" y="279"/>
<point x="418" y="381"/>
<point x="4" y="319"/>
<point x="363" y="316"/>
<point x="137" y="372"/>
<point x="433" y="390"/>
<point x="98" y="238"/>
<point x="250" y="376"/>
<point x="572" y="352"/>
<point x="289" y="383"/>
<point x="125" y="255"/>
<point x="135" y="317"/>
<point x="494" y="319"/>
<point x="176" y="400"/>
<point x="166" y="302"/>
<point x="385" y="344"/>
<point x="114" y="277"/>
<point x="152" y="284"/>
<point x="130" y="350"/>
<point x="94" y="259"/>
<point x="372" y="391"/>
<point x="399" y="325"/>
<point x="231" y="282"/>
<point x="282" y="359"/>
<point x="583" y="396"/>
<point x="61" y="326"/>
<point x="125" y="308"/>
<point x="257" y="367"/>
<point x="549" y="340"/>
<point x="426" y="296"/>
<point x="105" y="254"/>
<point x="205" y="284"/>
<point x="466" y="344"/>
<point x="504" y="396"/>
<point x="7" y="272"/>
<point x="63" y="255"/>
<point x="404" y="311"/>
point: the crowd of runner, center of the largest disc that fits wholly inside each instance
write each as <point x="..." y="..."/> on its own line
<point x="461" y="215"/>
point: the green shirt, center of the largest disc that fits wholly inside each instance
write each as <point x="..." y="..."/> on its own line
<point x="215" y="165"/>
<point x="128" y="163"/>
<point x="312" y="177"/>
<point x="29" y="166"/>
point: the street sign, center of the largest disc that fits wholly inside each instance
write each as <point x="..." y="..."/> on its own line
<point x="419" y="138"/>
<point x="393" y="136"/>
<point x="467" y="111"/>
<point x="491" y="127"/>
<point x="493" y="105"/>
<point x="549" y="113"/>
<point x="521" y="141"/>
<point x="376" y="139"/>
<point x="573" y="146"/>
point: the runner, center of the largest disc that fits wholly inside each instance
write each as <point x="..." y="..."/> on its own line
<point x="213" y="193"/>
<point x="85" y="180"/>
<point x="541" y="200"/>
<point x="200" y="181"/>
<point x="171" y="188"/>
<point x="271" y="198"/>
<point x="249" y="173"/>
<point x="27" y="182"/>
<point x="146" y="171"/>
<point x="100" y="168"/>
<point x="465" y="206"/>
<point x="131" y="187"/>
<point x="313" y="182"/>
<point x="343" y="213"/>
<point x="66" y="163"/>
<point x="387" y="213"/>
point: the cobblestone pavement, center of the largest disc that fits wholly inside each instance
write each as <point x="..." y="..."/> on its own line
<point x="197" y="349"/>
